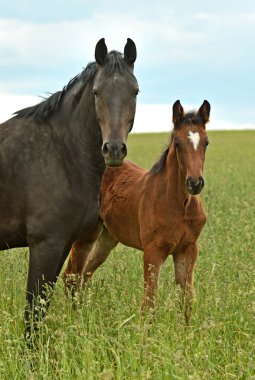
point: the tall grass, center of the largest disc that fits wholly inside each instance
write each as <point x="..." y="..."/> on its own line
<point x="105" y="337"/>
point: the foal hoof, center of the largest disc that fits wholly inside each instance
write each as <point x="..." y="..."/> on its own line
<point x="71" y="283"/>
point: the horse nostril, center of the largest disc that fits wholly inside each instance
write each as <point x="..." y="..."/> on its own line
<point x="105" y="148"/>
<point x="114" y="149"/>
<point x="124" y="149"/>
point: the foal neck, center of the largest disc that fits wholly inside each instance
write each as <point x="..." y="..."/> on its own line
<point x="175" y="179"/>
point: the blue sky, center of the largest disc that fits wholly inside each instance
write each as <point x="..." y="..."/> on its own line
<point x="186" y="50"/>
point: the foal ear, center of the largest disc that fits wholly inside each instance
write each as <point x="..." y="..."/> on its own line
<point x="100" y="51"/>
<point x="177" y="112"/>
<point x="130" y="52"/>
<point x="204" y="111"/>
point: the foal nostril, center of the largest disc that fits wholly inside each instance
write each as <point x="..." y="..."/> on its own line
<point x="189" y="182"/>
<point x="201" y="182"/>
<point x="195" y="184"/>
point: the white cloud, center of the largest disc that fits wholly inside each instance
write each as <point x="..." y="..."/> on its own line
<point x="43" y="44"/>
<point x="167" y="43"/>
<point x="167" y="38"/>
<point x="149" y="117"/>
<point x="158" y="118"/>
<point x="9" y="103"/>
<point x="163" y="37"/>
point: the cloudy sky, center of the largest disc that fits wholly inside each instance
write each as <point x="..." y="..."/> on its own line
<point x="187" y="50"/>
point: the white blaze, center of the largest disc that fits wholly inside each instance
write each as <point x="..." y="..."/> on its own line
<point x="194" y="138"/>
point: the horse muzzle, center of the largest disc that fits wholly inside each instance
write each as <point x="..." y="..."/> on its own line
<point x="114" y="153"/>
<point x="195" y="185"/>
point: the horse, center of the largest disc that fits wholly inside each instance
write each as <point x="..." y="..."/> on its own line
<point x="157" y="211"/>
<point x="52" y="159"/>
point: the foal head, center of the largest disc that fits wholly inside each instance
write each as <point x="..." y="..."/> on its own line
<point x="115" y="89"/>
<point x="190" y="142"/>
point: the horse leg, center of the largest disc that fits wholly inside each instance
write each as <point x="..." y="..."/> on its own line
<point x="44" y="267"/>
<point x="99" y="254"/>
<point x="153" y="260"/>
<point x="78" y="256"/>
<point x="184" y="263"/>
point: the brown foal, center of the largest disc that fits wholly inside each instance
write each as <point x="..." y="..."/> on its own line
<point x="157" y="211"/>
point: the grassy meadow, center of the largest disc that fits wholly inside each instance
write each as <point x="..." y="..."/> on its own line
<point x="105" y="338"/>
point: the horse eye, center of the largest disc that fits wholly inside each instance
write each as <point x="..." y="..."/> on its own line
<point x="95" y="92"/>
<point x="177" y="144"/>
<point x="137" y="91"/>
<point x="207" y="143"/>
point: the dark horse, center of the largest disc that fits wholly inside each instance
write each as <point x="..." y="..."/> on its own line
<point x="52" y="159"/>
<point x="157" y="211"/>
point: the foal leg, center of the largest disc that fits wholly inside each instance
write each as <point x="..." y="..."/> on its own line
<point x="78" y="256"/>
<point x="184" y="263"/>
<point x="153" y="260"/>
<point x="99" y="254"/>
<point x="44" y="263"/>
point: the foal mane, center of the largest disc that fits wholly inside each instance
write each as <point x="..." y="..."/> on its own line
<point x="191" y="118"/>
<point x="160" y="164"/>
<point x="188" y="119"/>
<point x="47" y="106"/>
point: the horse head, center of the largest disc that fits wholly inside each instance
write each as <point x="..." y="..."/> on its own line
<point x="115" y="89"/>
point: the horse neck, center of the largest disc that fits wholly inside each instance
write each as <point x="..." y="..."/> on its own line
<point x="76" y="126"/>
<point x="78" y="113"/>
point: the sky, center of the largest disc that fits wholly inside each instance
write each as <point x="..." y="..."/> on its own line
<point x="187" y="50"/>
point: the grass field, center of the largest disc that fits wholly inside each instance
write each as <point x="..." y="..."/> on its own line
<point x="105" y="339"/>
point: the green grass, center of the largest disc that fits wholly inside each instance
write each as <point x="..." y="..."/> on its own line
<point x="105" y="339"/>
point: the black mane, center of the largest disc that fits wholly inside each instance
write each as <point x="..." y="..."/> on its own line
<point x="45" y="108"/>
<point x="115" y="62"/>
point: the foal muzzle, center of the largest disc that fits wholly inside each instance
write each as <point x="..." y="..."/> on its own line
<point x="114" y="153"/>
<point x="195" y="185"/>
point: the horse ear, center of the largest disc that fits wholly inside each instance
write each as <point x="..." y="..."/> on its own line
<point x="204" y="111"/>
<point x="130" y="52"/>
<point x="177" y="112"/>
<point x="100" y="51"/>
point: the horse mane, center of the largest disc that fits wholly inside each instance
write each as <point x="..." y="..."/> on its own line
<point x="115" y="62"/>
<point x="45" y="108"/>
<point x="189" y="118"/>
